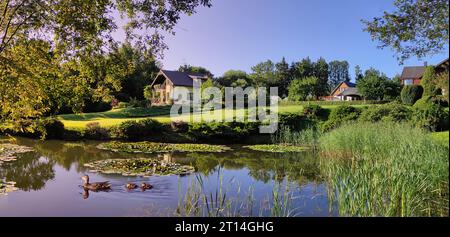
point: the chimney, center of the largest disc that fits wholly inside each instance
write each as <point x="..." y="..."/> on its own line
<point x="425" y="64"/>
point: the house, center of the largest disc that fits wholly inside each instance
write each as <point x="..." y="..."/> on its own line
<point x="413" y="75"/>
<point x="345" y="91"/>
<point x="170" y="87"/>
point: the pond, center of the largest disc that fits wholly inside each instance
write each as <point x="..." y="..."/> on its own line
<point x="48" y="182"/>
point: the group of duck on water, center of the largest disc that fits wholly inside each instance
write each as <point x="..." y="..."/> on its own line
<point x="99" y="186"/>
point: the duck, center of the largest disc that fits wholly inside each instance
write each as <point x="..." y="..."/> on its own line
<point x="131" y="186"/>
<point x="98" y="186"/>
<point x="145" y="186"/>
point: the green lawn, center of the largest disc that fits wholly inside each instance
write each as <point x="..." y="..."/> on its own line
<point x="442" y="137"/>
<point x="161" y="114"/>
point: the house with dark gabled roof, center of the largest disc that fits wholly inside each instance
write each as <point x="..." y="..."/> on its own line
<point x="345" y="91"/>
<point x="413" y="75"/>
<point x="171" y="87"/>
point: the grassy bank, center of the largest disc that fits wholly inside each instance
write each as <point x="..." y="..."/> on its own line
<point x="385" y="169"/>
<point x="161" y="114"/>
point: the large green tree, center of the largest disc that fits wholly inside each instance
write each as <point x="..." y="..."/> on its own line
<point x="377" y="86"/>
<point x="233" y="78"/>
<point x="416" y="28"/>
<point x="302" y="89"/>
<point x="338" y="72"/>
<point x="75" y="26"/>
<point x="195" y="69"/>
<point x="264" y="75"/>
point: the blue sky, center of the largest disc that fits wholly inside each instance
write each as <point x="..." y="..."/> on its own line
<point x="237" y="34"/>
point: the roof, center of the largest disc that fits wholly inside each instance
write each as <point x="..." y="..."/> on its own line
<point x="350" y="91"/>
<point x="444" y="64"/>
<point x="180" y="78"/>
<point x="349" y="84"/>
<point x="413" y="72"/>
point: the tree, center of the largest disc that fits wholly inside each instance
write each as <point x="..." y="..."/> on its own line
<point x="303" y="68"/>
<point x="428" y="82"/>
<point x="134" y="68"/>
<point x="338" y="72"/>
<point x="415" y="28"/>
<point x="358" y="73"/>
<point x="264" y="75"/>
<point x="376" y="86"/>
<point x="194" y="69"/>
<point x="442" y="84"/>
<point x="302" y="89"/>
<point x="82" y="25"/>
<point x="283" y="77"/>
<point x="233" y="76"/>
<point x="321" y="72"/>
<point x="411" y="93"/>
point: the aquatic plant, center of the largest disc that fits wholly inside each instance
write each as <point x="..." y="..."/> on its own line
<point x="153" y="147"/>
<point x="139" y="167"/>
<point x="385" y="169"/>
<point x="306" y="137"/>
<point x="8" y="152"/>
<point x="278" y="148"/>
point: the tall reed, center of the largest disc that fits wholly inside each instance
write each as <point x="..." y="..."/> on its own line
<point x="385" y="169"/>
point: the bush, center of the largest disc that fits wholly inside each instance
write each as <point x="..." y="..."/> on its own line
<point x="52" y="129"/>
<point x="315" y="112"/>
<point x="430" y="115"/>
<point x="410" y="94"/>
<point x="223" y="131"/>
<point x="394" y="112"/>
<point x="95" y="131"/>
<point x="295" y="122"/>
<point x="339" y="115"/>
<point x="93" y="107"/>
<point x="179" y="126"/>
<point x="134" y="103"/>
<point x="136" y="130"/>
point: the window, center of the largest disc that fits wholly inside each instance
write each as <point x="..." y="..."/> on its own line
<point x="407" y="82"/>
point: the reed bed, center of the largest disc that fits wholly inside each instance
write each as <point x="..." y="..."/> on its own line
<point x="385" y="169"/>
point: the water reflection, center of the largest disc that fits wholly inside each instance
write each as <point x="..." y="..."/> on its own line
<point x="30" y="172"/>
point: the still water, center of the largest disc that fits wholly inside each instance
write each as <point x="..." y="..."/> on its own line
<point x="49" y="182"/>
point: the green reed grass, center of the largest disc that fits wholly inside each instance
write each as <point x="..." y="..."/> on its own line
<point x="306" y="137"/>
<point x="385" y="169"/>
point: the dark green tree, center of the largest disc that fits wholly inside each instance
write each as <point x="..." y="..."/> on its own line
<point x="338" y="72"/>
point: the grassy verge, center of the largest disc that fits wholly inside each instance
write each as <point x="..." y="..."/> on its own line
<point x="441" y="137"/>
<point x="385" y="169"/>
<point x="278" y="148"/>
<point x="161" y="114"/>
<point x="152" y="147"/>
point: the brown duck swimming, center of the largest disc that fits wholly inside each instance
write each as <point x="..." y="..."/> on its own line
<point x="145" y="186"/>
<point x="131" y="186"/>
<point x="98" y="186"/>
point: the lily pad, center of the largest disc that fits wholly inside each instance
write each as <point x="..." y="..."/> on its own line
<point x="277" y="148"/>
<point x="154" y="147"/>
<point x="7" y="187"/>
<point x="8" y="152"/>
<point x="139" y="167"/>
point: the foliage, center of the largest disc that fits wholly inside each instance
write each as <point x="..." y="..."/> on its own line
<point x="80" y="26"/>
<point x="428" y="82"/>
<point x="234" y="78"/>
<point x="385" y="169"/>
<point x="280" y="148"/>
<point x="393" y="112"/>
<point x="411" y="93"/>
<point x="315" y="112"/>
<point x="194" y="69"/>
<point x="135" y="130"/>
<point x="295" y="121"/>
<point x="264" y="75"/>
<point x="302" y="89"/>
<point x="430" y="115"/>
<point x="338" y="72"/>
<point x="179" y="126"/>
<point x="222" y="131"/>
<point x="341" y="115"/>
<point x="376" y="86"/>
<point x="442" y="81"/>
<point x="308" y="136"/>
<point x="416" y="28"/>
<point x="152" y="147"/>
<point x="95" y="131"/>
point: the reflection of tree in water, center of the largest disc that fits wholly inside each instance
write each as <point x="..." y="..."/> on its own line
<point x="30" y="172"/>
<point x="262" y="166"/>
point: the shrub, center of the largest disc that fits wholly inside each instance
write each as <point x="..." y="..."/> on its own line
<point x="95" y="131"/>
<point x="223" y="131"/>
<point x="122" y="105"/>
<point x="136" y="130"/>
<point x="339" y="115"/>
<point x="52" y="129"/>
<point x="428" y="82"/>
<point x="315" y="112"/>
<point x="394" y="112"/>
<point x="135" y="103"/>
<point x="430" y="115"/>
<point x="179" y="126"/>
<point x="295" y="122"/>
<point x="100" y="106"/>
<point x="411" y="93"/>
